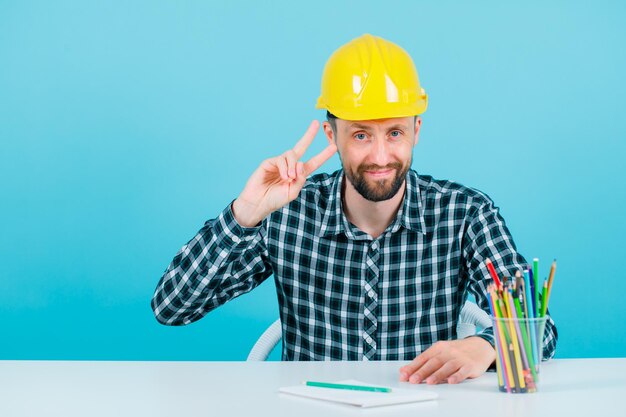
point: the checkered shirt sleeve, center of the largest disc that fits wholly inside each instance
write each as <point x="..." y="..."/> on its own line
<point x="223" y="261"/>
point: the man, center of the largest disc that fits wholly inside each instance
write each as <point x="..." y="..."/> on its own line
<point x="372" y="262"/>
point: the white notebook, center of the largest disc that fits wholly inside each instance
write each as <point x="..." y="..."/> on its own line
<point x="361" y="398"/>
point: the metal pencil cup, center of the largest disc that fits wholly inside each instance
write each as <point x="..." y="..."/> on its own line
<point x="519" y="346"/>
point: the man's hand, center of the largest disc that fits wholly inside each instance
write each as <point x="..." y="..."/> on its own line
<point x="278" y="181"/>
<point x="450" y="361"/>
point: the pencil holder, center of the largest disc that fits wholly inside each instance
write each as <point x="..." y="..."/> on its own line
<point x="519" y="346"/>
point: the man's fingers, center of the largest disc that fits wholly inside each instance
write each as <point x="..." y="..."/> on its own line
<point x="292" y="161"/>
<point x="305" y="141"/>
<point x="281" y="163"/>
<point x="444" y="371"/>
<point x="459" y="376"/>
<point x="451" y="361"/>
<point x="407" y="370"/>
<point x="426" y="370"/>
<point x="303" y="144"/>
<point x="296" y="186"/>
<point x="315" y="162"/>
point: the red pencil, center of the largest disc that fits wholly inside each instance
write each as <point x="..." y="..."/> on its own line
<point x="493" y="273"/>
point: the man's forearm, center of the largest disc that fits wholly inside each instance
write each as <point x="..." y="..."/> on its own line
<point x="222" y="261"/>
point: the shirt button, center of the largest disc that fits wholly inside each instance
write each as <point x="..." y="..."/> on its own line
<point x="368" y="339"/>
<point x="371" y="293"/>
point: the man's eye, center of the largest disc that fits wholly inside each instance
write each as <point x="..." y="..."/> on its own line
<point x="360" y="136"/>
<point x="395" y="133"/>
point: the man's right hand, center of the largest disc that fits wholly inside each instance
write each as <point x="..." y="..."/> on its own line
<point x="278" y="181"/>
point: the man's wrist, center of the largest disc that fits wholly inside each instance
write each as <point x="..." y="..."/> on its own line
<point x="487" y="335"/>
<point x="245" y="213"/>
<point x="488" y="340"/>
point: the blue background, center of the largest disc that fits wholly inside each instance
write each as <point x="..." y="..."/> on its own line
<point x="125" y="126"/>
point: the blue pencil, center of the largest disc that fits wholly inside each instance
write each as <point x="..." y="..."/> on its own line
<point x="531" y="285"/>
<point x="531" y="312"/>
<point x="536" y="282"/>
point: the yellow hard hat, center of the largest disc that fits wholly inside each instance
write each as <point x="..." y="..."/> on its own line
<point x="371" y="78"/>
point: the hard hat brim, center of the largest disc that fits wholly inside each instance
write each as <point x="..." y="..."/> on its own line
<point x="388" y="111"/>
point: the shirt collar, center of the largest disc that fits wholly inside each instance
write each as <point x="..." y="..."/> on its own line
<point x="412" y="212"/>
<point x="410" y="216"/>
<point x="332" y="220"/>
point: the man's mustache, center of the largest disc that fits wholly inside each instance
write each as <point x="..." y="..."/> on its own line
<point x="373" y="167"/>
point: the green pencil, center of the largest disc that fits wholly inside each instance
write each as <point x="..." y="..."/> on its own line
<point x="525" y="338"/>
<point x="346" y="386"/>
<point x="544" y="298"/>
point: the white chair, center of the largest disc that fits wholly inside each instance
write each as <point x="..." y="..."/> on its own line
<point x="471" y="319"/>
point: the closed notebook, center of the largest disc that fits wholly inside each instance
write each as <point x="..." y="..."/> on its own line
<point x="361" y="398"/>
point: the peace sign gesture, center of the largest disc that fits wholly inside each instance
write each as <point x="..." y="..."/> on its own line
<point x="278" y="181"/>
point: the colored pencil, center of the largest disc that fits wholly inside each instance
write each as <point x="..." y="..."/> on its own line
<point x="504" y="357"/>
<point x="493" y="273"/>
<point x="522" y="289"/>
<point x="544" y="298"/>
<point x="346" y="386"/>
<point x="526" y="338"/>
<point x="514" y="343"/>
<point x="518" y="329"/>
<point x="531" y="299"/>
<point x="536" y="284"/>
<point x="499" y="359"/>
<point x="519" y="313"/>
<point x="516" y="386"/>
<point x="550" y="280"/>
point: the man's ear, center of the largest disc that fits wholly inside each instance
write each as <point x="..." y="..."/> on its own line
<point x="328" y="131"/>
<point x="418" y="125"/>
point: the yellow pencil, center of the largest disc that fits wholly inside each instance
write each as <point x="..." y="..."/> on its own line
<point x="515" y="343"/>
<point x="508" y="370"/>
<point x="550" y="279"/>
<point x="498" y="358"/>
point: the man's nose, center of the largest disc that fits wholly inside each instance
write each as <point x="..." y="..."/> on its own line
<point x="380" y="152"/>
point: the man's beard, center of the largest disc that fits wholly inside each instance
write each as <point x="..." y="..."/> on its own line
<point x="380" y="190"/>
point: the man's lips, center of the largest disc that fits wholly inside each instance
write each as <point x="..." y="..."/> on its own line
<point x="379" y="173"/>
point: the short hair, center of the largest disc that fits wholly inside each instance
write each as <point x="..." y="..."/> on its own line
<point x="332" y="120"/>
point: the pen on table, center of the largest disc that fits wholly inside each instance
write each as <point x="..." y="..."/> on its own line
<point x="346" y="386"/>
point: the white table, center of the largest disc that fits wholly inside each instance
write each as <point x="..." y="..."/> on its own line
<point x="574" y="387"/>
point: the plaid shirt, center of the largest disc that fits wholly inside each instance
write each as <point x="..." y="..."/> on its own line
<point x="342" y="294"/>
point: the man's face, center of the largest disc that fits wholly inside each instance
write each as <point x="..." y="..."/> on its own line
<point x="375" y="154"/>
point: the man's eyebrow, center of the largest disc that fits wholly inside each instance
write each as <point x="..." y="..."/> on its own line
<point x="397" y="126"/>
<point x="358" y="126"/>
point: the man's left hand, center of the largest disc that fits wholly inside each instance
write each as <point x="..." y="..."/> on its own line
<point x="450" y="361"/>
